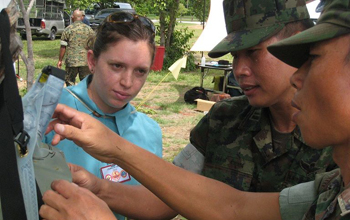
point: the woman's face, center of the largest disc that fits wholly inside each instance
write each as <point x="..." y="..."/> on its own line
<point x="323" y="94"/>
<point x="119" y="74"/>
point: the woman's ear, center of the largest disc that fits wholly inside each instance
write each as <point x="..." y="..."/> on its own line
<point x="91" y="61"/>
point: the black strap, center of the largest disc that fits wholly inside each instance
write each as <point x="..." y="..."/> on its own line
<point x="11" y="121"/>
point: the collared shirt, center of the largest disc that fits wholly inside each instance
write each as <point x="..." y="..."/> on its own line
<point x="236" y="141"/>
<point x="134" y="126"/>
<point x="74" y="38"/>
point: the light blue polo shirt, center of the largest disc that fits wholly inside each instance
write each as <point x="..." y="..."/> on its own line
<point x="134" y="126"/>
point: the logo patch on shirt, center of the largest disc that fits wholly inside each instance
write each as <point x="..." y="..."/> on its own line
<point x="114" y="173"/>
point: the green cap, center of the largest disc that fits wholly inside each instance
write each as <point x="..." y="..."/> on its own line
<point x="249" y="22"/>
<point x="333" y="22"/>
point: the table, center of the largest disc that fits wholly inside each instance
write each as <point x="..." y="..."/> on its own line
<point x="226" y="69"/>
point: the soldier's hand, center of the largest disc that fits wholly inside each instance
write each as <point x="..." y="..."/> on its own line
<point x="85" y="131"/>
<point x="83" y="178"/>
<point x="68" y="201"/>
<point x="59" y="64"/>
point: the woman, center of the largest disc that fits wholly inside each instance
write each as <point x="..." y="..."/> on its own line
<point x="322" y="100"/>
<point x="120" y="59"/>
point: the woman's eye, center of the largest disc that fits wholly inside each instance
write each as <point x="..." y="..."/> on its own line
<point x="142" y="71"/>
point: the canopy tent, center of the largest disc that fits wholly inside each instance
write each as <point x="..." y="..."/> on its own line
<point x="214" y="30"/>
<point x="311" y="7"/>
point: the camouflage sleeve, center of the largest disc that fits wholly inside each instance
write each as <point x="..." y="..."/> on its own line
<point x="91" y="31"/>
<point x="199" y="134"/>
<point x="190" y="159"/>
<point x="296" y="200"/>
<point x="65" y="37"/>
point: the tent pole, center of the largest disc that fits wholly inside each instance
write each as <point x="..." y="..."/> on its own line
<point x="203" y="19"/>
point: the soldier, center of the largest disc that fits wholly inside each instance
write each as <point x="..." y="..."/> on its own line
<point x="73" y="40"/>
<point x="85" y="20"/>
<point x="250" y="142"/>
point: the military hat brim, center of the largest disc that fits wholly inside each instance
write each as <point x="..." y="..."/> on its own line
<point x="244" y="39"/>
<point x="295" y="50"/>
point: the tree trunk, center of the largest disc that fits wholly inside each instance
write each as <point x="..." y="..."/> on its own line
<point x="172" y="21"/>
<point x="29" y="62"/>
<point x="162" y="27"/>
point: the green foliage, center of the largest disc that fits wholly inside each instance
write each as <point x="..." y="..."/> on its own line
<point x="191" y="62"/>
<point x="142" y="8"/>
<point x="179" y="47"/>
<point x="182" y="10"/>
<point x="197" y="9"/>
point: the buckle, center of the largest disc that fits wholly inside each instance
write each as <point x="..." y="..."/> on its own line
<point x="22" y="140"/>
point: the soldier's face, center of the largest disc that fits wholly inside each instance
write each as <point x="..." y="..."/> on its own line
<point x="119" y="73"/>
<point x="323" y="94"/>
<point x="263" y="78"/>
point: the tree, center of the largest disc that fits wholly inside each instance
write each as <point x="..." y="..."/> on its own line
<point x="197" y="7"/>
<point x="182" y="10"/>
<point x="29" y="60"/>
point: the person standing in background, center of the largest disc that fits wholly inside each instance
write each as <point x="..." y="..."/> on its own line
<point x="73" y="40"/>
<point x="85" y="20"/>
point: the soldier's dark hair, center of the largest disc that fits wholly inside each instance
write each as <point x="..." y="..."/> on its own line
<point x="108" y="33"/>
<point x="293" y="27"/>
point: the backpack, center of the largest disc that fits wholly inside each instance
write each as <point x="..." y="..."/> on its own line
<point x="22" y="121"/>
<point x="195" y="93"/>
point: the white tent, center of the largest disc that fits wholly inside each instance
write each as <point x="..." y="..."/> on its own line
<point x="4" y="4"/>
<point x="311" y="7"/>
<point x="215" y="29"/>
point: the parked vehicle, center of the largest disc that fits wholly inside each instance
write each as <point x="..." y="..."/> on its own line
<point x="96" y="20"/>
<point x="91" y="11"/>
<point x="46" y="18"/>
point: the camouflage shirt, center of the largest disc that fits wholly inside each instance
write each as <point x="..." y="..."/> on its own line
<point x="235" y="139"/>
<point x="333" y="199"/>
<point x="74" y="37"/>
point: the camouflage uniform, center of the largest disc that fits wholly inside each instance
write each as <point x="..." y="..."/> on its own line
<point x="324" y="198"/>
<point x="331" y="199"/>
<point x="74" y="37"/>
<point x="236" y="140"/>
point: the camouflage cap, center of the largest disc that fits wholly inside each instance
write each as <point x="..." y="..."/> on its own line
<point x="333" y="22"/>
<point x="249" y="22"/>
